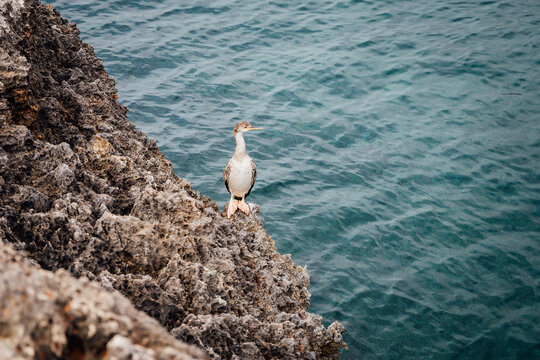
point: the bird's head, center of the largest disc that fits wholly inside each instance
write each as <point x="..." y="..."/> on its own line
<point x="244" y="126"/>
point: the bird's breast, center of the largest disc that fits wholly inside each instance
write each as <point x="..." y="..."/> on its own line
<point x="240" y="176"/>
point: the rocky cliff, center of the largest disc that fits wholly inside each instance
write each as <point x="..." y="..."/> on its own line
<point x="82" y="190"/>
<point x="48" y="315"/>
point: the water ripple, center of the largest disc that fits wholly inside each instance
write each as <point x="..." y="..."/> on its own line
<point x="399" y="160"/>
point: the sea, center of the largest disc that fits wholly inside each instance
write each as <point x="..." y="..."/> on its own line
<point x="400" y="156"/>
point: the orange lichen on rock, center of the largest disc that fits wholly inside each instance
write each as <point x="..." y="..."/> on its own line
<point x="27" y="116"/>
<point x="21" y="95"/>
<point x="101" y="146"/>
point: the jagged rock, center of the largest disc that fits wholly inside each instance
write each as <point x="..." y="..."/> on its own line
<point x="46" y="315"/>
<point x="82" y="190"/>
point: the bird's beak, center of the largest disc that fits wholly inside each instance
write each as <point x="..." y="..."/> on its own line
<point x="252" y="128"/>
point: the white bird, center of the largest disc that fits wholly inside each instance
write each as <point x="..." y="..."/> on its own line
<point x="240" y="173"/>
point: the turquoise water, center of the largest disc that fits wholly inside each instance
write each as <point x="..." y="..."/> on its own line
<point x="399" y="160"/>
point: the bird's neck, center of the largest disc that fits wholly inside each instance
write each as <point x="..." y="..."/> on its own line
<point x="240" y="150"/>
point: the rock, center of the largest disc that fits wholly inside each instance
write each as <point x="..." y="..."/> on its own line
<point x="81" y="189"/>
<point x="46" y="315"/>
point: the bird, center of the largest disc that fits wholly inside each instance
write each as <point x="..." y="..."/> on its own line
<point x="240" y="173"/>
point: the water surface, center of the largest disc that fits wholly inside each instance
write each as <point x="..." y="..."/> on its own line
<point x="399" y="160"/>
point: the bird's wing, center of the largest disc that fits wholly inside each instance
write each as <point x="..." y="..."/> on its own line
<point x="253" y="176"/>
<point x="226" y="175"/>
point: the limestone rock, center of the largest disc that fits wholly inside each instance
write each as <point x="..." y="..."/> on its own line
<point x="46" y="315"/>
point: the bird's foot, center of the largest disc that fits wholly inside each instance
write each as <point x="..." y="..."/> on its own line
<point x="233" y="205"/>
<point x="242" y="205"/>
